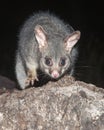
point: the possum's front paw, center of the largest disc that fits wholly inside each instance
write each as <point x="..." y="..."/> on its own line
<point x="32" y="77"/>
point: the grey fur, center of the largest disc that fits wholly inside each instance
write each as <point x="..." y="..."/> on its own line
<point x="30" y="58"/>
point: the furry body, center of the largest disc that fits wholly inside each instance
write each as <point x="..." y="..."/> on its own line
<point x="45" y="43"/>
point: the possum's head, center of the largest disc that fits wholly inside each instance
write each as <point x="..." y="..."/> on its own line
<point x="55" y="51"/>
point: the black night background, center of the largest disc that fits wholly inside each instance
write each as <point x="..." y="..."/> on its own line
<point x="86" y="16"/>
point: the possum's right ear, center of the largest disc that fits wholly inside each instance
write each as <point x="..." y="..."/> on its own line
<point x="40" y="35"/>
<point x="71" y="40"/>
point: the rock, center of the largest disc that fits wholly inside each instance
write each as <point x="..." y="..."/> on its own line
<point x="62" y="105"/>
<point x="6" y="85"/>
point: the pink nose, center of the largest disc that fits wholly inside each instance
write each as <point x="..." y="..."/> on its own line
<point x="55" y="74"/>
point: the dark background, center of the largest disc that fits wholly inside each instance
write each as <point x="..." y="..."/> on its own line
<point x="86" y="16"/>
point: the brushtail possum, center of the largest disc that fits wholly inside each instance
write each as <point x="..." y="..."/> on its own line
<point x="45" y="43"/>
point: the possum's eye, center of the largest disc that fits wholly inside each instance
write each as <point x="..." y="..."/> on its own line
<point x="62" y="62"/>
<point x="48" y="61"/>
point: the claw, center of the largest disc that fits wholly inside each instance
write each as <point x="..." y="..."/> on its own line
<point x="31" y="77"/>
<point x="31" y="80"/>
<point x="36" y="79"/>
<point x="27" y="82"/>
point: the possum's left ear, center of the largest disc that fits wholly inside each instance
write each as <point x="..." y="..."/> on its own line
<point x="40" y="35"/>
<point x="71" y="40"/>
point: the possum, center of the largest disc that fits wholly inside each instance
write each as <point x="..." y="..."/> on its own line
<point x="45" y="43"/>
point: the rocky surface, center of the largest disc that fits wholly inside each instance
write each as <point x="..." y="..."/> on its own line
<point x="6" y="85"/>
<point x="62" y="105"/>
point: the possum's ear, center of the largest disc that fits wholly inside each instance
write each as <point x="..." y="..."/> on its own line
<point x="71" y="40"/>
<point x="40" y="35"/>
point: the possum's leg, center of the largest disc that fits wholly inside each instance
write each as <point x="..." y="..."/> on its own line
<point x="20" y="73"/>
<point x="25" y="76"/>
<point x="31" y="73"/>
